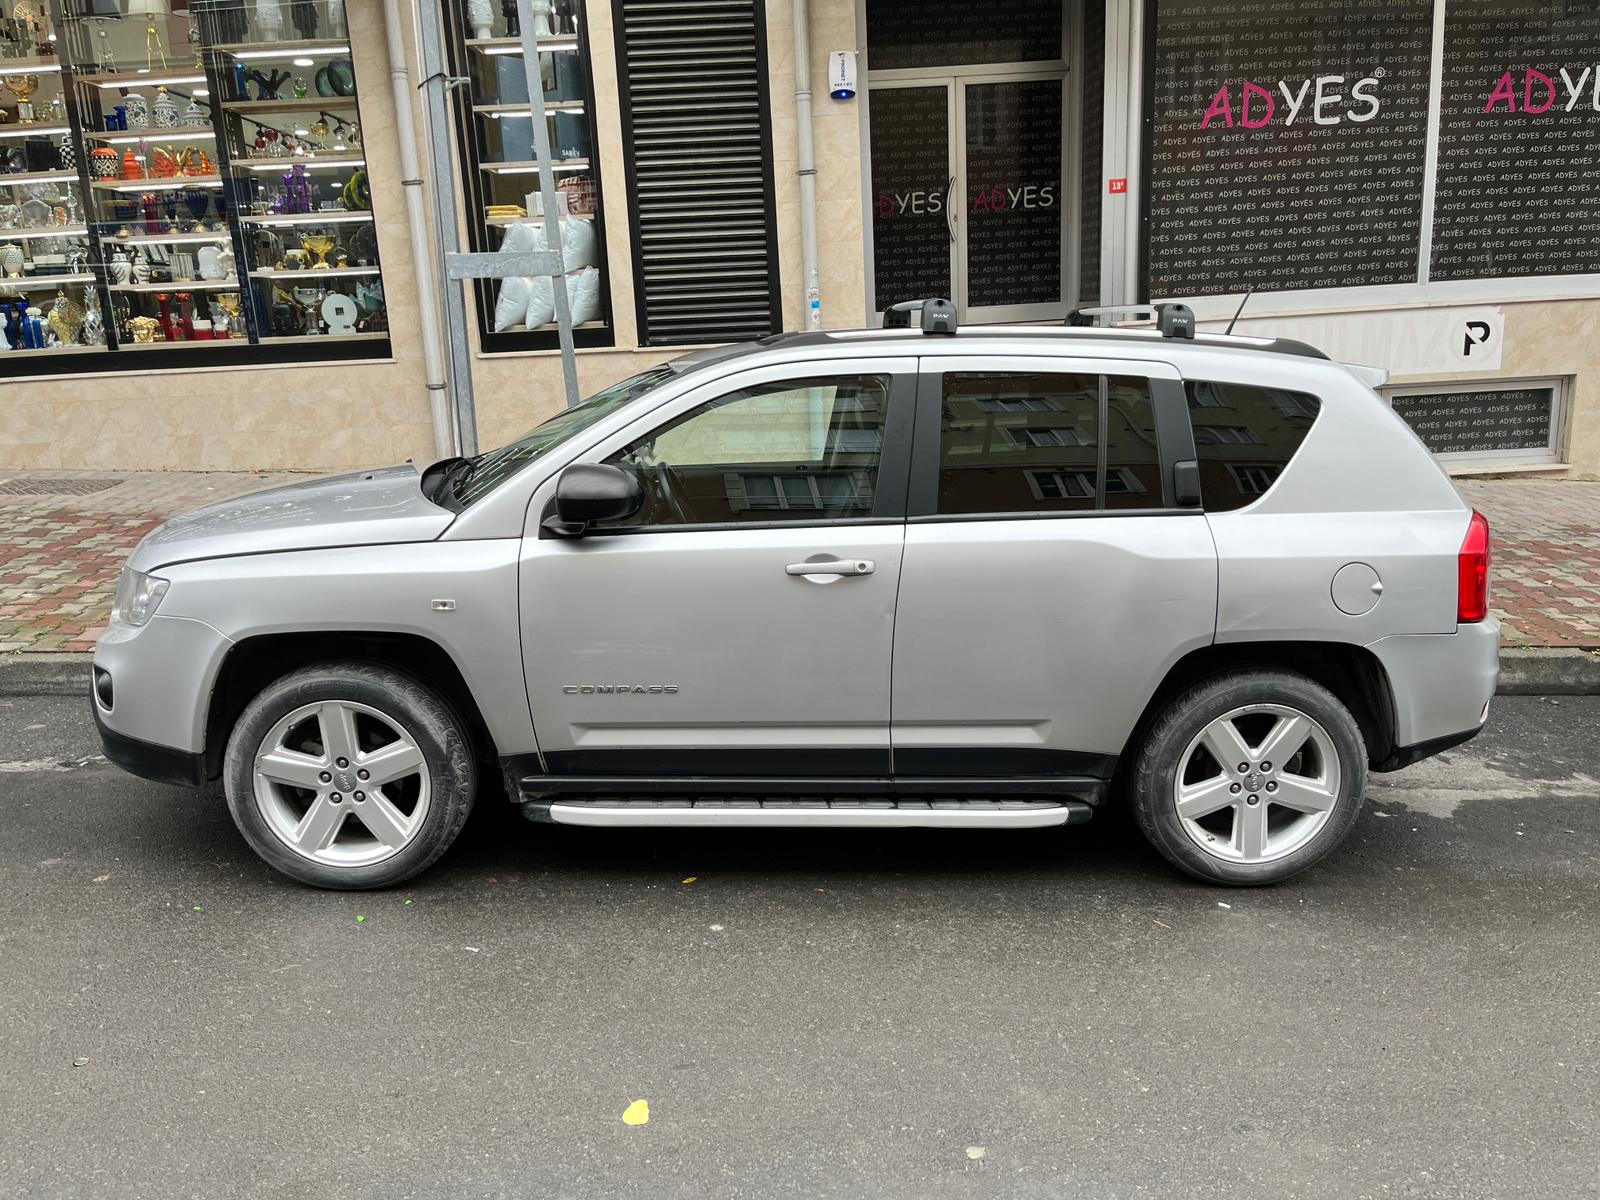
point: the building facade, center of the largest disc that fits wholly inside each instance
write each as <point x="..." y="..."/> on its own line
<point x="208" y="260"/>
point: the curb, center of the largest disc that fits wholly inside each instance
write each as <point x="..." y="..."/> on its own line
<point x="57" y="674"/>
<point x="1549" y="671"/>
<point x="1536" y="672"/>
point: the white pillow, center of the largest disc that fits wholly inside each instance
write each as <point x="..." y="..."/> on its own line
<point x="521" y="237"/>
<point x="541" y="308"/>
<point x="511" y="305"/>
<point x="577" y="244"/>
<point x="583" y="290"/>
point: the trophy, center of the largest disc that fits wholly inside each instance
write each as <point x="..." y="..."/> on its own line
<point x="23" y="87"/>
<point x="319" y="244"/>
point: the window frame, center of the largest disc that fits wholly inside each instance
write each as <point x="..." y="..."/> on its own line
<point x="1174" y="440"/>
<point x="1221" y="379"/>
<point x="894" y="461"/>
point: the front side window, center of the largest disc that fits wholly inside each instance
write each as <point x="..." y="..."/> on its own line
<point x="1026" y="442"/>
<point x="1244" y="436"/>
<point x="796" y="450"/>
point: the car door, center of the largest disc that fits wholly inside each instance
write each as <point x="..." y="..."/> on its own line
<point x="742" y="623"/>
<point x="1049" y="582"/>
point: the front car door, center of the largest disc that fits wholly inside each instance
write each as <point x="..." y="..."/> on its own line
<point x="742" y="623"/>
<point x="1048" y="581"/>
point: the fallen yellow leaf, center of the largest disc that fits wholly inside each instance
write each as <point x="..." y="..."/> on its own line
<point x="691" y="879"/>
<point x="637" y="1113"/>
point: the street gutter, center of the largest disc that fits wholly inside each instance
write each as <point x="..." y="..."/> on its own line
<point x="1550" y="671"/>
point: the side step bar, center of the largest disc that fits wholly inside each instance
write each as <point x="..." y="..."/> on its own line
<point x="836" y="813"/>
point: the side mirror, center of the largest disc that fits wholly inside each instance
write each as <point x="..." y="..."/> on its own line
<point x="1186" y="483"/>
<point x="590" y="492"/>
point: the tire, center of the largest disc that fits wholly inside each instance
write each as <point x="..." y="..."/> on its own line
<point x="387" y="814"/>
<point x="1266" y="825"/>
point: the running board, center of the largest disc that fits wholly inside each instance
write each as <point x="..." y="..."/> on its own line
<point x="835" y="813"/>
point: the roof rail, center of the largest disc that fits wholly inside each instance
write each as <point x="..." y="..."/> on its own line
<point x="1173" y="320"/>
<point x="938" y="315"/>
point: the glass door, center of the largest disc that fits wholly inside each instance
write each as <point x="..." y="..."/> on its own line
<point x="1012" y="262"/>
<point x="976" y="215"/>
<point x="913" y="180"/>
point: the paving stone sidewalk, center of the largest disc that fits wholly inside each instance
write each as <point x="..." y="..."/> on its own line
<point x="64" y="535"/>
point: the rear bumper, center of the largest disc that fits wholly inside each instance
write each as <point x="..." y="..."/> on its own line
<point x="164" y="764"/>
<point x="1441" y="685"/>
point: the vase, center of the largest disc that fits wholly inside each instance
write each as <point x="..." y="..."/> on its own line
<point x="164" y="112"/>
<point x="68" y="153"/>
<point x="11" y="260"/>
<point x="103" y="162"/>
<point x="194" y="117"/>
<point x="121" y="267"/>
<point x="138" y="111"/>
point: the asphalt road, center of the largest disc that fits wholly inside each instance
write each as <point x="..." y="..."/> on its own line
<point x="1050" y="1014"/>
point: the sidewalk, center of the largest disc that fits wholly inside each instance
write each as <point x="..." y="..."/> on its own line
<point x="64" y="535"/>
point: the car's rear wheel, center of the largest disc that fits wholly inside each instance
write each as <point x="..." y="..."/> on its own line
<point x="1249" y="778"/>
<point x="349" y="775"/>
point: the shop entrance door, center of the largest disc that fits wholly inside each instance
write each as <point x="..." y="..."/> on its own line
<point x="968" y="194"/>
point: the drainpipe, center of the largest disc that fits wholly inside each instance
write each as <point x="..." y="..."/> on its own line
<point x="417" y="225"/>
<point x="806" y="169"/>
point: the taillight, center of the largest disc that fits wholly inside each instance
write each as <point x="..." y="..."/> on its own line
<point x="1472" y="572"/>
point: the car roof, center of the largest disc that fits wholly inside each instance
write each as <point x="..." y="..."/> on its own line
<point x="1107" y="340"/>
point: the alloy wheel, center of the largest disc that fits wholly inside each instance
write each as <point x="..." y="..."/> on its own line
<point x="1257" y="783"/>
<point x="341" y="783"/>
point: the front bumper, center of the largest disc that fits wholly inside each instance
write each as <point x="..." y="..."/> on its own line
<point x="152" y="693"/>
<point x="164" y="764"/>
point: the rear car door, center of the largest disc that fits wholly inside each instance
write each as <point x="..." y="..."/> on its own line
<point x="742" y="623"/>
<point x="1049" y="581"/>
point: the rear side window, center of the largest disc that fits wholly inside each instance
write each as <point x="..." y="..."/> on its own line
<point x="1244" y="437"/>
<point x="1029" y="442"/>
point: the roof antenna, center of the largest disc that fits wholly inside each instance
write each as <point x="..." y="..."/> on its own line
<point x="1239" y="310"/>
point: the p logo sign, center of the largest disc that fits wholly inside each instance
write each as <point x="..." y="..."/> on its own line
<point x="1478" y="334"/>
<point x="1474" y="338"/>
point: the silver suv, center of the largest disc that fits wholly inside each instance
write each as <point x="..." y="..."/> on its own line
<point x="903" y="577"/>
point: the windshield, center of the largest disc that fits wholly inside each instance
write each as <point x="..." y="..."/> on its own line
<point x="495" y="467"/>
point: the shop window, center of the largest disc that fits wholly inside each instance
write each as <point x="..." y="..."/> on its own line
<point x="505" y="211"/>
<point x="1287" y="153"/>
<point x="1519" y="141"/>
<point x="1487" y="424"/>
<point x="184" y="184"/>
<point x="1244" y="436"/>
<point x="945" y="33"/>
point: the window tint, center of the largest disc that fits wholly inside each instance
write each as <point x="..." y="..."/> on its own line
<point x="1031" y="442"/>
<point x="1133" y="467"/>
<point x="800" y="450"/>
<point x="1244" y="437"/>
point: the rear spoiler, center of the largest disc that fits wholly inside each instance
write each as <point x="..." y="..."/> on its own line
<point x="1373" y="377"/>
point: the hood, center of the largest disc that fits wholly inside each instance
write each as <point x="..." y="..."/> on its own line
<point x="368" y="508"/>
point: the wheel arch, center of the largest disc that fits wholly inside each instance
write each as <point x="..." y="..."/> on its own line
<point x="254" y="662"/>
<point x="1352" y="673"/>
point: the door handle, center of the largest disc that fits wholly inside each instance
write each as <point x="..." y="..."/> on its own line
<point x="949" y="211"/>
<point x="833" y="566"/>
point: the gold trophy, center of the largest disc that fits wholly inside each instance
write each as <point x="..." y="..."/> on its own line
<point x="23" y="87"/>
<point x="319" y="244"/>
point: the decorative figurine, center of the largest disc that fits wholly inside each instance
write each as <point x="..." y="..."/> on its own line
<point x="269" y="20"/>
<point x="480" y="15"/>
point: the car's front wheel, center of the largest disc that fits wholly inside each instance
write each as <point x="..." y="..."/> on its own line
<point x="349" y="775"/>
<point x="1250" y="778"/>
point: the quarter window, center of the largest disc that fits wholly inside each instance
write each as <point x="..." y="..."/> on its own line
<point x="1030" y="442"/>
<point x="1244" y="436"/>
<point x="799" y="450"/>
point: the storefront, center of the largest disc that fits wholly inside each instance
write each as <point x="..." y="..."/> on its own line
<point x="206" y="259"/>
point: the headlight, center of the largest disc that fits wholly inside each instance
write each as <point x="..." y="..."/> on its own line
<point x="138" y="595"/>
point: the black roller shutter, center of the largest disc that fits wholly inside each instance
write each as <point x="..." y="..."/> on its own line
<point x="699" y="153"/>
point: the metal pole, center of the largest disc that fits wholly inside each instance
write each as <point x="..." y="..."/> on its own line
<point x="806" y="164"/>
<point x="526" y="10"/>
<point x="435" y="82"/>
